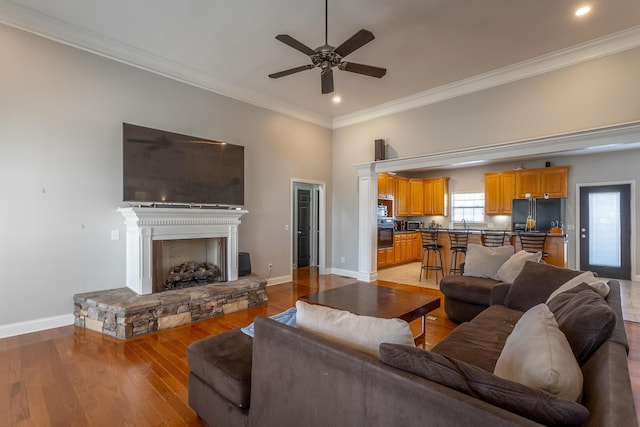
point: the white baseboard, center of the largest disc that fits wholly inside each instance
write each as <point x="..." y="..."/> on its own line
<point x="341" y="272"/>
<point x="278" y="280"/>
<point x="35" y="325"/>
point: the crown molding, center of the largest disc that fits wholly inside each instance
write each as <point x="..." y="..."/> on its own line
<point x="43" y="25"/>
<point x="610" y="44"/>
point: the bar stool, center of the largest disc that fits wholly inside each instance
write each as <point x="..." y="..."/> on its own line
<point x="430" y="245"/>
<point x="459" y="240"/>
<point x="492" y="239"/>
<point x="533" y="242"/>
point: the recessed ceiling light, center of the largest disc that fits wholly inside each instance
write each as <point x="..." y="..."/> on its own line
<point x="583" y="10"/>
<point x="337" y="99"/>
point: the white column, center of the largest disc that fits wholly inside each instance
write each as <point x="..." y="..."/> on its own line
<point x="232" y="254"/>
<point x="368" y="227"/>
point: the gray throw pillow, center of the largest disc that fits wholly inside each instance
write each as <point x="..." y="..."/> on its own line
<point x="530" y="403"/>
<point x="535" y="283"/>
<point x="585" y="318"/>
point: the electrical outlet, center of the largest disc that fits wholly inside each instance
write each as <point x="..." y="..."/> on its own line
<point x="270" y="266"/>
<point x="115" y="234"/>
<point x="342" y="260"/>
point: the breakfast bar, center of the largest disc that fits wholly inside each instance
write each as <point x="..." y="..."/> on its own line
<point x="407" y="247"/>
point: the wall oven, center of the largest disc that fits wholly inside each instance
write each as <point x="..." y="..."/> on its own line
<point x="385" y="233"/>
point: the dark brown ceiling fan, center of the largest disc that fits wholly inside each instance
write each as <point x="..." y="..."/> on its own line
<point x="326" y="57"/>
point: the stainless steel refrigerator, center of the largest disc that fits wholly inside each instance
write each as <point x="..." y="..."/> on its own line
<point x="544" y="212"/>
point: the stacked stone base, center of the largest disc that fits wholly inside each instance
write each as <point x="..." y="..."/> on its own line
<point x="123" y="314"/>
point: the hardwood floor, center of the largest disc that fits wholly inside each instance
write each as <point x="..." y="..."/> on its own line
<point x="74" y="377"/>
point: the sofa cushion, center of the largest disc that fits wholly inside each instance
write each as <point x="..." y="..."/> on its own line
<point x="538" y="355"/>
<point x="513" y="266"/>
<point x="364" y="333"/>
<point x="531" y="403"/>
<point x="586" y="277"/>
<point x="486" y="334"/>
<point x="585" y="319"/>
<point x="480" y="261"/>
<point x="224" y="363"/>
<point x="535" y="283"/>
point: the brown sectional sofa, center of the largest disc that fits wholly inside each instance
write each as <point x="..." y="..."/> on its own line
<point x="466" y="296"/>
<point x="287" y="377"/>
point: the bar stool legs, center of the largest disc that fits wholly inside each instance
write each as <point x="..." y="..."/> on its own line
<point x="459" y="241"/>
<point x="430" y="245"/>
<point x="455" y="263"/>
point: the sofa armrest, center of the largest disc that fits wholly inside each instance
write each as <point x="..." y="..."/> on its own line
<point x="499" y="293"/>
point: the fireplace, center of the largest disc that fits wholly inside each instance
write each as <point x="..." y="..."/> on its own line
<point x="155" y="234"/>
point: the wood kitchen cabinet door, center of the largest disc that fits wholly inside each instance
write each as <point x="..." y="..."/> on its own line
<point x="441" y="196"/>
<point x="427" y="185"/>
<point x="416" y="198"/>
<point x="528" y="182"/>
<point x="554" y="181"/>
<point x="402" y="196"/>
<point x="499" y="192"/>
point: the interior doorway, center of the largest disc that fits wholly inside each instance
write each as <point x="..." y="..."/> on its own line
<point x="604" y="229"/>
<point x="307" y="214"/>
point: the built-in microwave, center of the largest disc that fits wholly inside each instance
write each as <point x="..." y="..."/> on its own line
<point x="413" y="225"/>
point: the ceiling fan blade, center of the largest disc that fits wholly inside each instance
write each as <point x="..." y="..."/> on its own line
<point x="367" y="70"/>
<point x="291" y="71"/>
<point x="327" y="81"/>
<point x="356" y="41"/>
<point x="290" y="41"/>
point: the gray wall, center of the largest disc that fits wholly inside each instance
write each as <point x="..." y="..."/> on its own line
<point x="589" y="95"/>
<point x="61" y="120"/>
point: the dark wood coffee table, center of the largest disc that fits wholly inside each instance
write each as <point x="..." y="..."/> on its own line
<point x="378" y="301"/>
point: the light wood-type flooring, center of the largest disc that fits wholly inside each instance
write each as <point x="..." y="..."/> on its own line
<point x="74" y="377"/>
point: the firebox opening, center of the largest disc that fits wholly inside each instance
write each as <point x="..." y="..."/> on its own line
<point x="188" y="262"/>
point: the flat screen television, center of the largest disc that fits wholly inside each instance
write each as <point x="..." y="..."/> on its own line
<point x="161" y="167"/>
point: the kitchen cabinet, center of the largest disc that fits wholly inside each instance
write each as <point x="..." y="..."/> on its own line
<point x="499" y="192"/>
<point x="386" y="186"/>
<point x="402" y="196"/>
<point x="416" y="197"/>
<point x="556" y="249"/>
<point x="436" y="196"/>
<point x="385" y="257"/>
<point x="400" y="248"/>
<point x="537" y="182"/>
<point x="554" y="181"/>
<point x="407" y="247"/>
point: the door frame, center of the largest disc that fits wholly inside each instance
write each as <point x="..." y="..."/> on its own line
<point x="318" y="225"/>
<point x="632" y="207"/>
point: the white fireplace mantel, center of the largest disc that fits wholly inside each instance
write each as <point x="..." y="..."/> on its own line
<point x="146" y="224"/>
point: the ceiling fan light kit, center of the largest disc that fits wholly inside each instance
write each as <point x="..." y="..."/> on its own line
<point x="327" y="57"/>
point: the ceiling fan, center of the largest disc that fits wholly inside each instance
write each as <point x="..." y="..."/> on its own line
<point x="326" y="57"/>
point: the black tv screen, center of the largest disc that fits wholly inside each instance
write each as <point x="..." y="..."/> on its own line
<point x="164" y="167"/>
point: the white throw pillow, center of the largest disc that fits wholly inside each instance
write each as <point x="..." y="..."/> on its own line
<point x="364" y="333"/>
<point x="537" y="354"/>
<point x="481" y="261"/>
<point x="513" y="266"/>
<point x="586" y="277"/>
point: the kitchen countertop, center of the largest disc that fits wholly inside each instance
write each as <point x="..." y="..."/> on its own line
<point x="479" y="231"/>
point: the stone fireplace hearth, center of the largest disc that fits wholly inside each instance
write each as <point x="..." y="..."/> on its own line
<point x="123" y="314"/>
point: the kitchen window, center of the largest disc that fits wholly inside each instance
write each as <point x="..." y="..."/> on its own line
<point x="468" y="207"/>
